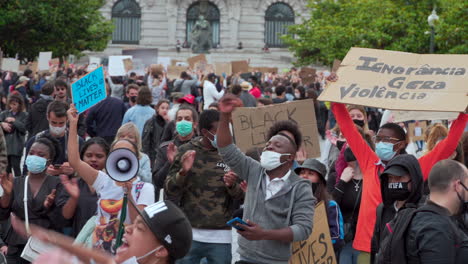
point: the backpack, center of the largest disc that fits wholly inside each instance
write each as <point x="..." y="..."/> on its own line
<point x="393" y="248"/>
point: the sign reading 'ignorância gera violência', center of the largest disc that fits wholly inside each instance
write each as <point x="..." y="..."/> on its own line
<point x="401" y="81"/>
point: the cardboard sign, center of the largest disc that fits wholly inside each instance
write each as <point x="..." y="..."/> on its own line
<point x="10" y="64"/>
<point x="43" y="62"/>
<point x="318" y="248"/>
<point x="89" y="90"/>
<point x="263" y="69"/>
<point x="240" y="66"/>
<point x="128" y="64"/>
<point x="116" y="65"/>
<point x="173" y="72"/>
<point x="336" y="65"/>
<point x="252" y="123"/>
<point x="401" y="81"/>
<point x="223" y="67"/>
<point x="402" y="116"/>
<point x="307" y="75"/>
<point x="416" y="132"/>
<point x="93" y="64"/>
<point x="191" y="61"/>
<point x="55" y="62"/>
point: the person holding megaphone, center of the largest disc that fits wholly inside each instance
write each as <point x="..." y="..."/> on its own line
<point x="114" y="187"/>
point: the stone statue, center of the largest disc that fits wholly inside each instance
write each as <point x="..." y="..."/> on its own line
<point x="201" y="38"/>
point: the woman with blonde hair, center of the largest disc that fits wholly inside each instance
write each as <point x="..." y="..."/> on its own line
<point x="130" y="132"/>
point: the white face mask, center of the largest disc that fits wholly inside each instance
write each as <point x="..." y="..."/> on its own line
<point x="57" y="131"/>
<point x="134" y="260"/>
<point x="271" y="160"/>
<point x="297" y="95"/>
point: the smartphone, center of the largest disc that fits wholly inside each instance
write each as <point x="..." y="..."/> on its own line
<point x="235" y="221"/>
<point x="57" y="166"/>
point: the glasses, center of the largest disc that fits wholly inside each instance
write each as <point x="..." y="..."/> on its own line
<point x="385" y="139"/>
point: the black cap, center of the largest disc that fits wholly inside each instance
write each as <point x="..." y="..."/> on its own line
<point x="170" y="226"/>
<point x="314" y="165"/>
<point x="396" y="170"/>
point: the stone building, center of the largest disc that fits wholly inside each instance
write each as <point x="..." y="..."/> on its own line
<point x="161" y="23"/>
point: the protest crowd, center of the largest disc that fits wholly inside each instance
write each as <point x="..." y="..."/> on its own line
<point x="389" y="196"/>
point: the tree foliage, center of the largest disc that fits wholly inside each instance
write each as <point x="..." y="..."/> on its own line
<point x="62" y="26"/>
<point x="337" y="25"/>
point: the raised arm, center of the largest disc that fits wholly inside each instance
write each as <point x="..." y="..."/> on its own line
<point x="364" y="154"/>
<point x="88" y="173"/>
<point x="444" y="148"/>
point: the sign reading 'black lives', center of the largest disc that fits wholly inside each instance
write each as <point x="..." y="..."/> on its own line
<point x="401" y="81"/>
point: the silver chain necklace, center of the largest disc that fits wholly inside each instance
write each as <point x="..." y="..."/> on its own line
<point x="356" y="184"/>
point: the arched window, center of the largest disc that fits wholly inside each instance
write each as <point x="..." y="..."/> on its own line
<point x="126" y="15"/>
<point x="210" y="12"/>
<point x="277" y="19"/>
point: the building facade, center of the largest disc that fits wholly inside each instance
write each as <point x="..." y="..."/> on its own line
<point x="162" y="23"/>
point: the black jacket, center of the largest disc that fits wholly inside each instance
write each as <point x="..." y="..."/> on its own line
<point x="433" y="237"/>
<point x="152" y="133"/>
<point x="386" y="211"/>
<point x="37" y="118"/>
<point x="15" y="139"/>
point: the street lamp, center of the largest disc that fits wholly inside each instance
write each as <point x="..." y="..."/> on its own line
<point x="431" y="19"/>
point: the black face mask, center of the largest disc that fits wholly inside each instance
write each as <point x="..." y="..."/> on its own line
<point x="359" y="122"/>
<point x="398" y="191"/>
<point x="463" y="206"/>
<point x="315" y="186"/>
<point x="340" y="144"/>
<point x="133" y="99"/>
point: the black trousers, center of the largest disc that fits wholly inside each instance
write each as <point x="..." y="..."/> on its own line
<point x="14" y="165"/>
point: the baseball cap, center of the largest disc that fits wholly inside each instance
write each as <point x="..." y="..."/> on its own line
<point x="187" y="98"/>
<point x="396" y="170"/>
<point x="246" y="86"/>
<point x="170" y="226"/>
<point x="23" y="78"/>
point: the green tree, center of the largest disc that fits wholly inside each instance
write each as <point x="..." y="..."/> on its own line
<point x="62" y="26"/>
<point x="337" y="25"/>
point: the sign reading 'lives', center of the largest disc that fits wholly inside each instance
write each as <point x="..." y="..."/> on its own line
<point x="89" y="90"/>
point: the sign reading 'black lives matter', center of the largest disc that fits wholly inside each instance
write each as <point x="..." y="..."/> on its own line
<point x="401" y="81"/>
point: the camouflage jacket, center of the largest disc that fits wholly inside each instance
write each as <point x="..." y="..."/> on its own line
<point x="201" y="193"/>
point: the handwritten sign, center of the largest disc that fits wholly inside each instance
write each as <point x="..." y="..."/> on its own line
<point x="10" y="64"/>
<point x="128" y="64"/>
<point x="193" y="60"/>
<point x="223" y="67"/>
<point x="251" y="124"/>
<point x="416" y="131"/>
<point x="402" y="116"/>
<point x="116" y="65"/>
<point x="318" y="248"/>
<point x="307" y="75"/>
<point x="401" y="81"/>
<point x="173" y="72"/>
<point x="43" y="62"/>
<point x="240" y="66"/>
<point x="89" y="90"/>
<point x="94" y="63"/>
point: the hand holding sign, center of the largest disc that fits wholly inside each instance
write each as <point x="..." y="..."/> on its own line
<point x="228" y="103"/>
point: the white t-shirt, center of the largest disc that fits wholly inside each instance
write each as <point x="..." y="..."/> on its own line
<point x="110" y="205"/>
<point x="212" y="236"/>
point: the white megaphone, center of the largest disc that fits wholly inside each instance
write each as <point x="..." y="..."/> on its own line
<point x="122" y="165"/>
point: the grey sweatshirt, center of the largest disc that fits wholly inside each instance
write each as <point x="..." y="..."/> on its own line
<point x="293" y="207"/>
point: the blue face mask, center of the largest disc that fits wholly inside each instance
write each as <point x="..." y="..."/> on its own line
<point x="385" y="151"/>
<point x="36" y="164"/>
<point x="214" y="143"/>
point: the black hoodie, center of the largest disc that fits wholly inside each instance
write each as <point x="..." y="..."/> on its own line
<point x="387" y="208"/>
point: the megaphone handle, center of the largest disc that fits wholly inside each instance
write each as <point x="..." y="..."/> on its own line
<point x="123" y="216"/>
